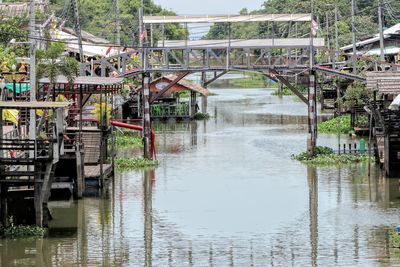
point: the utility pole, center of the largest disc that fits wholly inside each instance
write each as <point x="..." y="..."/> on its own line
<point x="327" y="33"/>
<point x="312" y="102"/>
<point x="78" y="33"/>
<point x="354" y="37"/>
<point x="336" y="33"/>
<point x="32" y="72"/>
<point x="141" y="26"/>
<point x="118" y="23"/>
<point x="381" y="44"/>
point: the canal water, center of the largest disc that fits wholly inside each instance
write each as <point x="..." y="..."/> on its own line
<point x="226" y="193"/>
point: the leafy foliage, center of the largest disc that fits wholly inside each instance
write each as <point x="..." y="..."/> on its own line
<point x="12" y="28"/>
<point x="365" y="21"/>
<point x="99" y="18"/>
<point x="51" y="63"/>
<point x="7" y="58"/>
<point x="356" y="95"/>
<point x="134" y="163"/>
<point x="395" y="239"/>
<point x="325" y="156"/>
<point x="20" y="231"/>
<point x="331" y="126"/>
<point x="201" y="116"/>
<point x="124" y="141"/>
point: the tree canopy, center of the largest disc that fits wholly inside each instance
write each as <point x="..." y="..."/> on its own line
<point x="366" y="20"/>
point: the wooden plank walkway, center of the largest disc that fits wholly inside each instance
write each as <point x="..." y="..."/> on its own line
<point x="93" y="172"/>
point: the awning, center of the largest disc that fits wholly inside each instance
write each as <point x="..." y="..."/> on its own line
<point x="391" y="50"/>
<point x="19" y="87"/>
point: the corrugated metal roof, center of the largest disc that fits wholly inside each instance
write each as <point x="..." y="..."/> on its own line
<point x="86" y="36"/>
<point x="185" y="83"/>
<point x="226" y="18"/>
<point x="239" y="43"/>
<point x="14" y="10"/>
<point x="189" y="85"/>
<point x="394" y="30"/>
<point x="87" y="80"/>
<point x="385" y="82"/>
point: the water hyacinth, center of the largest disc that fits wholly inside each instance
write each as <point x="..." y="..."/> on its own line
<point x="133" y="142"/>
<point x="331" y="126"/>
<point x="326" y="156"/>
<point x="134" y="163"/>
<point x="22" y="231"/>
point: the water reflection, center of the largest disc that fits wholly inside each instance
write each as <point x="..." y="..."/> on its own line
<point x="226" y="194"/>
<point x="313" y="211"/>
<point x="148" y="180"/>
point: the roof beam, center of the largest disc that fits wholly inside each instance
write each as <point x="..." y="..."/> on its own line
<point x="227" y="18"/>
<point x="169" y="86"/>
<point x="289" y="85"/>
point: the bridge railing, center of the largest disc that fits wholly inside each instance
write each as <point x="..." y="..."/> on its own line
<point x="200" y="59"/>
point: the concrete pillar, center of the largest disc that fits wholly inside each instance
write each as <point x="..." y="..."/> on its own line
<point x="312" y="116"/>
<point x="146" y="115"/>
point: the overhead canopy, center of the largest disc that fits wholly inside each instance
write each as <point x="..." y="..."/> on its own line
<point x="391" y="50"/>
<point x="86" y="80"/>
<point x="226" y="18"/>
<point x="240" y="43"/>
<point x="19" y="87"/>
<point x="89" y="49"/>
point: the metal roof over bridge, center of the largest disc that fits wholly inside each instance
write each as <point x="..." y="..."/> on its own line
<point x="292" y="43"/>
<point x="227" y="18"/>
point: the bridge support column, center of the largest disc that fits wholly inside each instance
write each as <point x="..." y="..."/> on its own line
<point x="204" y="98"/>
<point x="312" y="115"/>
<point x="146" y="114"/>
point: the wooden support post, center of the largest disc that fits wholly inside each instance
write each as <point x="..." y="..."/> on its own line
<point x="192" y="103"/>
<point x="101" y="141"/>
<point x="112" y="136"/>
<point x="38" y="197"/>
<point x="146" y="114"/>
<point x="45" y="193"/>
<point x="3" y="204"/>
<point x="289" y="85"/>
<point x="312" y="116"/>
<point x="80" y="175"/>
<point x="204" y="97"/>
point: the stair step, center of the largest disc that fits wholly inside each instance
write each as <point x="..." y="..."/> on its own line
<point x="20" y="181"/>
<point x="16" y="161"/>
<point x="19" y="173"/>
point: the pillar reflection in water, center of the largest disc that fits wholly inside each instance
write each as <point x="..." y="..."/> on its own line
<point x="312" y="178"/>
<point x="193" y="134"/>
<point x="148" y="180"/>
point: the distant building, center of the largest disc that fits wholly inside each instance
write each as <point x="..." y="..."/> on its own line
<point x="371" y="47"/>
<point x="11" y="10"/>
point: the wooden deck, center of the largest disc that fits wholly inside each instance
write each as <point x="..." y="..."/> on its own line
<point x="93" y="172"/>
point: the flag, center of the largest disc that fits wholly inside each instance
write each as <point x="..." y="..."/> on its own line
<point x="314" y="27"/>
<point x="143" y="35"/>
<point x="108" y="50"/>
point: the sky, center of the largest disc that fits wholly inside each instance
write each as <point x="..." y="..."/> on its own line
<point x="209" y="7"/>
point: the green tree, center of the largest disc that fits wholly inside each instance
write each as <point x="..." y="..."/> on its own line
<point x="51" y="63"/>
